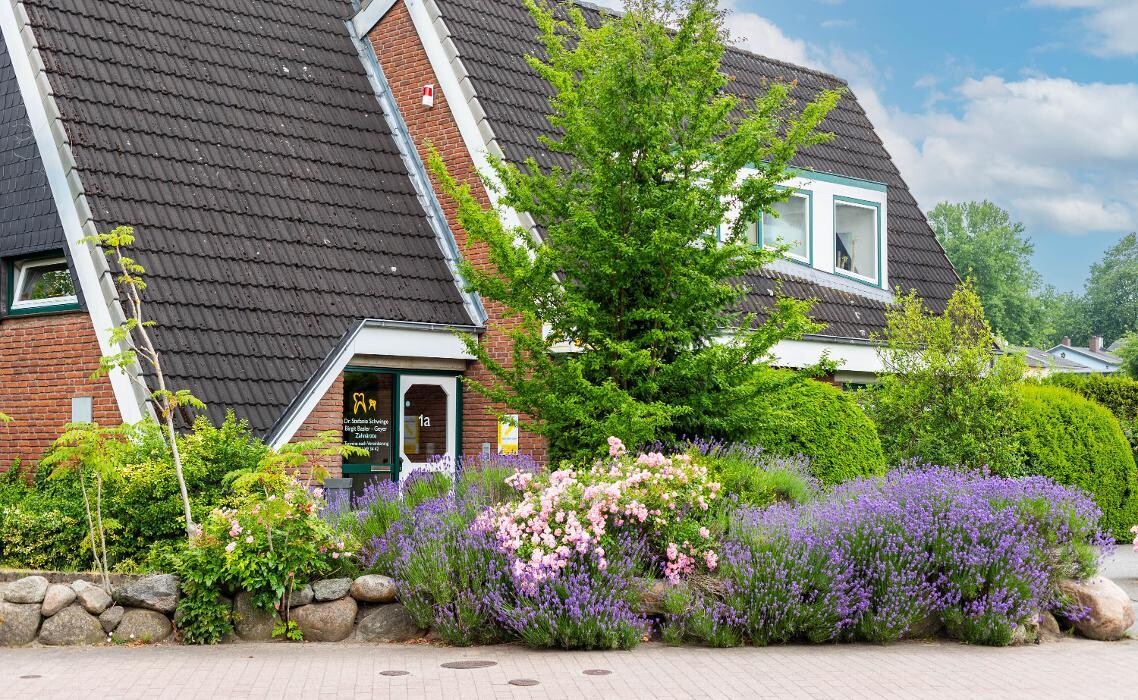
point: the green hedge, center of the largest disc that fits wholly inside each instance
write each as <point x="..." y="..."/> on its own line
<point x="1078" y="442"/>
<point x="825" y="424"/>
<point x="1118" y="393"/>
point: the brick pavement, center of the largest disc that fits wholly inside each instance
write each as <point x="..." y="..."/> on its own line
<point x="909" y="670"/>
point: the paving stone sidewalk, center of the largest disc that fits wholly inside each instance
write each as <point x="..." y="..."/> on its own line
<point x="1070" y="668"/>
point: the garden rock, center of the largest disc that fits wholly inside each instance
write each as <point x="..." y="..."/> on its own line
<point x="390" y="623"/>
<point x="252" y="624"/>
<point x="71" y="626"/>
<point x="1110" y="613"/>
<point x="300" y="596"/>
<point x="111" y="618"/>
<point x="144" y="626"/>
<point x="93" y="598"/>
<point x="27" y="590"/>
<point x="1049" y="628"/>
<point x="652" y="593"/>
<point x="19" y="623"/>
<point x="326" y="622"/>
<point x="158" y="593"/>
<point x="374" y="588"/>
<point x="57" y="598"/>
<point x="331" y="589"/>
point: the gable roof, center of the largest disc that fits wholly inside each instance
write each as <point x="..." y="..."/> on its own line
<point x="493" y="37"/>
<point x="29" y="222"/>
<point x="1042" y="359"/>
<point x="274" y="211"/>
<point x="1104" y="357"/>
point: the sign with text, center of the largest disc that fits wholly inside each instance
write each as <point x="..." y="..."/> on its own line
<point x="508" y="439"/>
<point x="368" y="419"/>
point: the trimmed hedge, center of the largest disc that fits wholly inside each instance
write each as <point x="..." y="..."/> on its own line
<point x="1078" y="442"/>
<point x="825" y="424"/>
<point x="1117" y="393"/>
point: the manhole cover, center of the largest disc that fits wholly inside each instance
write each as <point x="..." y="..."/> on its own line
<point x="524" y="681"/>
<point x="469" y="664"/>
<point x="31" y="676"/>
<point x="394" y="673"/>
<point x="597" y="672"/>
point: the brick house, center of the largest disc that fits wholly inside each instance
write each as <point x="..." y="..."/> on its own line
<point x="302" y="268"/>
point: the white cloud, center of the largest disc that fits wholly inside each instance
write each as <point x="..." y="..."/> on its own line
<point x="1111" y="26"/>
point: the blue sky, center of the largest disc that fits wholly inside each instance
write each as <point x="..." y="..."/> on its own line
<point x="1030" y="103"/>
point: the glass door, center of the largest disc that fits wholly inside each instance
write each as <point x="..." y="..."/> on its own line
<point x="428" y="421"/>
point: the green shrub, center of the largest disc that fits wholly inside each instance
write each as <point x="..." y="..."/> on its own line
<point x="825" y="424"/>
<point x="1078" y="442"/>
<point x="752" y="477"/>
<point x="1118" y="393"/>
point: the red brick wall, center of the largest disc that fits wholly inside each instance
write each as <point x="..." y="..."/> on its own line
<point x="407" y="69"/>
<point x="47" y="361"/>
<point x="328" y="415"/>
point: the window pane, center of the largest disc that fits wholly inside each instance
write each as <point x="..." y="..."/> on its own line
<point x="855" y="239"/>
<point x="790" y="227"/>
<point x="424" y="422"/>
<point x="46" y="282"/>
<point x="368" y="419"/>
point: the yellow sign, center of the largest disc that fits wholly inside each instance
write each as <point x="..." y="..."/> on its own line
<point x="508" y="441"/>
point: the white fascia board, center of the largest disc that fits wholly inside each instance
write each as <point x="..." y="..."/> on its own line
<point x="851" y="357"/>
<point x="454" y="81"/>
<point x="368" y="17"/>
<point x="91" y="268"/>
<point x="374" y="338"/>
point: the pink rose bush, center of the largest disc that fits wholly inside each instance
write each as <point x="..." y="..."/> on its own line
<point x="577" y="513"/>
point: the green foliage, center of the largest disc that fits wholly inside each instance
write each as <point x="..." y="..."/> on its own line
<point x="751" y="476"/>
<point x="1112" y="303"/>
<point x="628" y="273"/>
<point x="1080" y="443"/>
<point x="1119" y="394"/>
<point x="823" y="423"/>
<point x="948" y="397"/>
<point x="984" y="243"/>
<point x="1128" y="351"/>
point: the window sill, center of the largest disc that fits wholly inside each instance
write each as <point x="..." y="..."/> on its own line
<point x="45" y="310"/>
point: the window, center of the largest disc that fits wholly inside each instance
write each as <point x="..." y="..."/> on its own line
<point x="41" y="285"/>
<point x="789" y="224"/>
<point x="369" y="418"/>
<point x="856" y="226"/>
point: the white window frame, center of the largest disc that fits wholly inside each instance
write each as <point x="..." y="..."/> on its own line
<point x="807" y="259"/>
<point x="20" y="269"/>
<point x="877" y="238"/>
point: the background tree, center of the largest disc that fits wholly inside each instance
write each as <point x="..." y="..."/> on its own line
<point x="984" y="243"/>
<point x="947" y="397"/>
<point x="629" y="274"/>
<point x="1128" y="351"/>
<point x="1112" y="291"/>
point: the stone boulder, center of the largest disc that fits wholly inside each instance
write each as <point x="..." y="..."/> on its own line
<point x="30" y="589"/>
<point x="71" y="626"/>
<point x="331" y="589"/>
<point x="145" y="626"/>
<point x="93" y="598"/>
<point x="111" y="618"/>
<point x="326" y="622"/>
<point x="389" y="623"/>
<point x="250" y="623"/>
<point x="19" y="623"/>
<point x="1110" y="612"/>
<point x="374" y="588"/>
<point x="158" y="593"/>
<point x="301" y="596"/>
<point x="57" y="598"/>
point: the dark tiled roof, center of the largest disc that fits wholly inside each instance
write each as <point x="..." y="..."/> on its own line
<point x="29" y="222"/>
<point x="494" y="36"/>
<point x="243" y="140"/>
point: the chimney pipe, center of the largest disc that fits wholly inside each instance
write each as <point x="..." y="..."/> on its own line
<point x="1096" y="343"/>
<point x="1066" y="341"/>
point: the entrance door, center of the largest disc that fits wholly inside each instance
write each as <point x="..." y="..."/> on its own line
<point x="428" y="419"/>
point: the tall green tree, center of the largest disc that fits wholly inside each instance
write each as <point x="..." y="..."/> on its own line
<point x="1112" y="291"/>
<point x="628" y="273"/>
<point x="1128" y="351"/>
<point x="984" y="243"/>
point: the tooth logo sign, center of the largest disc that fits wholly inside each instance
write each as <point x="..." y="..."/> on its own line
<point x="361" y="404"/>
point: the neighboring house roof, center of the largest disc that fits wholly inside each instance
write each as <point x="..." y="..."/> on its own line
<point x="29" y="222"/>
<point x="274" y="212"/>
<point x="493" y="38"/>
<point x="1104" y="357"/>
<point x="1116" y="345"/>
<point x="1035" y="357"/>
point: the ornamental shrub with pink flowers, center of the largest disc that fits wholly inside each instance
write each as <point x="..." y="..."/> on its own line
<point x="575" y="513"/>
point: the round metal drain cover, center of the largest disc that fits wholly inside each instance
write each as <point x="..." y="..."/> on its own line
<point x="469" y="664"/>
<point x="597" y="672"/>
<point x="31" y="676"/>
<point x="394" y="673"/>
<point x="524" y="682"/>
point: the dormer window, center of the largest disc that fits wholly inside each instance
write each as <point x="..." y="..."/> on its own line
<point x="856" y="237"/>
<point x="41" y="285"/>
<point x="788" y="224"/>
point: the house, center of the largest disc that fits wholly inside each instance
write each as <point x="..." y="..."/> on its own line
<point x="1040" y="363"/>
<point x="1093" y="358"/>
<point x="302" y="267"/>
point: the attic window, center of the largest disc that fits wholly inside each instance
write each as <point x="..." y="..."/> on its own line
<point x="43" y="284"/>
<point x="857" y="227"/>
<point x="789" y="224"/>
